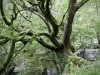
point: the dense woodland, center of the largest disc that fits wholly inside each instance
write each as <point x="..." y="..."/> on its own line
<point x="49" y="37"/>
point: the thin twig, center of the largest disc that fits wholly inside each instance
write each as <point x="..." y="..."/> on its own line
<point x="18" y="51"/>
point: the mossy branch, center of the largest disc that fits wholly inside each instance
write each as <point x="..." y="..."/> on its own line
<point x="45" y="21"/>
<point x="22" y="35"/>
<point x="3" y="41"/>
<point x="9" y="23"/>
<point x="40" y="40"/>
<point x="18" y="52"/>
<point x="51" y="19"/>
<point x="3" y="14"/>
<point x="54" y="41"/>
<point x="7" y="60"/>
<point x="15" y="13"/>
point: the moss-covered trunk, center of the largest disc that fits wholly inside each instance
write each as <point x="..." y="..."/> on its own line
<point x="71" y="59"/>
<point x="7" y="60"/>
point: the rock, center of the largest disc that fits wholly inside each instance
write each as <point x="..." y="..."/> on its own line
<point x="89" y="54"/>
<point x="47" y="71"/>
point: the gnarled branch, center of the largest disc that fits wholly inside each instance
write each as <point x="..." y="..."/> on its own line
<point x="14" y="14"/>
<point x="46" y="45"/>
<point x="3" y="14"/>
<point x="80" y="4"/>
<point x="54" y="41"/>
<point x="3" y="40"/>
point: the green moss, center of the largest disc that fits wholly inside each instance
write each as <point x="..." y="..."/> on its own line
<point x="73" y="62"/>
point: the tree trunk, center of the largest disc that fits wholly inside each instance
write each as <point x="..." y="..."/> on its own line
<point x="71" y="59"/>
<point x="68" y="27"/>
<point x="98" y="37"/>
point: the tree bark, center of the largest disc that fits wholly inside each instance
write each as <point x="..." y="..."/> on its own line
<point x="73" y="6"/>
<point x="68" y="27"/>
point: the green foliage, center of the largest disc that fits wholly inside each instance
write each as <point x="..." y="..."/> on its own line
<point x="85" y="26"/>
<point x="59" y="9"/>
<point x="41" y="59"/>
<point x="93" y="69"/>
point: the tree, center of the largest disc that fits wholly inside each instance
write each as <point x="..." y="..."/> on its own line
<point x="42" y="8"/>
